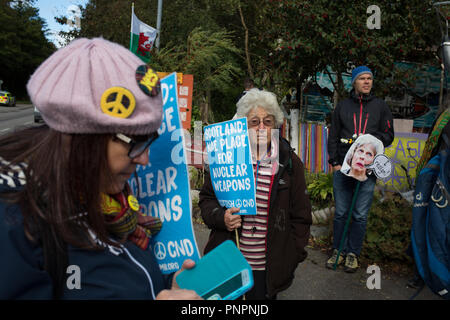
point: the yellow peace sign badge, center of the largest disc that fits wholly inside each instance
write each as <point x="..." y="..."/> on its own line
<point x="132" y="201"/>
<point x="118" y="102"/>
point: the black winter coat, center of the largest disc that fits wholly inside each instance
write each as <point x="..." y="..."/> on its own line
<point x="121" y="273"/>
<point x="288" y="226"/>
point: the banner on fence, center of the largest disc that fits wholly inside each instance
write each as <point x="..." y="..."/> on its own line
<point x="313" y="139"/>
<point x="405" y="151"/>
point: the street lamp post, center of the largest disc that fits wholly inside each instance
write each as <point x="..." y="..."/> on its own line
<point x="158" y="23"/>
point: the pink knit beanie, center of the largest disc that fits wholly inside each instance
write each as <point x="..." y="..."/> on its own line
<point x="90" y="86"/>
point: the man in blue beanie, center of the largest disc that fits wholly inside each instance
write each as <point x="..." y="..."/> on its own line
<point x="361" y="113"/>
<point x="360" y="71"/>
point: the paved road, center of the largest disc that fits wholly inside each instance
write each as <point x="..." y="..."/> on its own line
<point x="12" y="117"/>
<point x="314" y="282"/>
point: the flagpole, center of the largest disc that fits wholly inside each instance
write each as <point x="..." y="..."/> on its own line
<point x="158" y="23"/>
<point x="131" y="26"/>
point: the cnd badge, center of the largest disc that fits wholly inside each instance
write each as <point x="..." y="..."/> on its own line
<point x="133" y="202"/>
<point x="148" y="80"/>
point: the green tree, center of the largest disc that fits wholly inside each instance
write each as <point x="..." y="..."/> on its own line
<point x="24" y="45"/>
<point x="193" y="40"/>
<point x="212" y="58"/>
<point x="111" y="19"/>
<point x="307" y="36"/>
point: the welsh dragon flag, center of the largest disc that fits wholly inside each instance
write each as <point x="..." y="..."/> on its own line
<point x="142" y="37"/>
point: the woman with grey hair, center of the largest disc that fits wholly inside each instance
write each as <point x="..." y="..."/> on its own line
<point x="273" y="241"/>
<point x="360" y="155"/>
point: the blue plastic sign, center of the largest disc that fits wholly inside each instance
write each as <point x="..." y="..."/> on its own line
<point x="164" y="187"/>
<point x="230" y="165"/>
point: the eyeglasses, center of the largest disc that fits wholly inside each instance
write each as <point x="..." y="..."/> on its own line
<point x="268" y="122"/>
<point x="137" y="147"/>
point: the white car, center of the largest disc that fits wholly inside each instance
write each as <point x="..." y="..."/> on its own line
<point x="37" y="115"/>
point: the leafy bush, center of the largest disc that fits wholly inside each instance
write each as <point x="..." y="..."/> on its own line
<point x="320" y="189"/>
<point x="195" y="178"/>
<point x="388" y="224"/>
<point x="388" y="229"/>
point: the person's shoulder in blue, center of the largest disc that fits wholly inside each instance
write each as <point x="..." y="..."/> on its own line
<point x="69" y="226"/>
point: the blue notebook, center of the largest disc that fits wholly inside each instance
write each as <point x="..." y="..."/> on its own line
<point x="222" y="274"/>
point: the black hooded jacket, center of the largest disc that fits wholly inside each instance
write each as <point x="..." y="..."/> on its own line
<point x="365" y="114"/>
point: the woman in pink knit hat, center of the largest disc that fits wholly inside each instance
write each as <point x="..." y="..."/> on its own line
<point x="69" y="226"/>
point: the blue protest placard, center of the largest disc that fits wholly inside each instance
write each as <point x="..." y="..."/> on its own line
<point x="230" y="165"/>
<point x="164" y="187"/>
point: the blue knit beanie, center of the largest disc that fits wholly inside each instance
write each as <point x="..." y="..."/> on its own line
<point x="359" y="71"/>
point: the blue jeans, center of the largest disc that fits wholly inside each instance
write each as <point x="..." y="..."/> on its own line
<point x="343" y="189"/>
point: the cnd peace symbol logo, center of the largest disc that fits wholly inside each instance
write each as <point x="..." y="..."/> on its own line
<point x="118" y="102"/>
<point x="159" y="251"/>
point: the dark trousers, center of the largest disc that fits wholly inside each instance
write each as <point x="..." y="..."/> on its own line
<point x="343" y="189"/>
<point x="259" y="289"/>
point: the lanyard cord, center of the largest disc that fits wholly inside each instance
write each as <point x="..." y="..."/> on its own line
<point x="256" y="190"/>
<point x="257" y="168"/>
<point x="360" y="114"/>
<point x="256" y="174"/>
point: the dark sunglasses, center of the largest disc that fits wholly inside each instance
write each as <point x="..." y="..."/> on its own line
<point x="137" y="147"/>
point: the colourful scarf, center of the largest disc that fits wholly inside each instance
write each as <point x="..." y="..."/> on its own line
<point x="433" y="140"/>
<point x="124" y="220"/>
